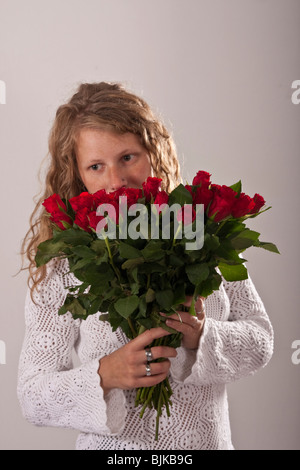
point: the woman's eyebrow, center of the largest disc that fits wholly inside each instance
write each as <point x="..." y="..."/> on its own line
<point x="118" y="155"/>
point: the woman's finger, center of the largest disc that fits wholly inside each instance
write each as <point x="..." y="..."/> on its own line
<point x="154" y="368"/>
<point x="181" y="317"/>
<point x="157" y="352"/>
<point x="146" y="338"/>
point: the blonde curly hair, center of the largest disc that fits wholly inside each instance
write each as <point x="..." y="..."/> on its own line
<point x="103" y="106"/>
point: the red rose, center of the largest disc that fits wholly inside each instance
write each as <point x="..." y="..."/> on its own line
<point x="259" y="203"/>
<point x="115" y="213"/>
<point x="59" y="217"/>
<point x="202" y="178"/>
<point x="54" y="204"/>
<point x="94" y="219"/>
<point x="102" y="197"/>
<point x="133" y="195"/>
<point x="81" y="201"/>
<point x="114" y="196"/>
<point x="203" y="195"/>
<point x="222" y="203"/>
<point x="189" y="188"/>
<point x="57" y="210"/>
<point x="82" y="219"/>
<point x="151" y="187"/>
<point x="187" y="214"/>
<point x="161" y="198"/>
<point x="243" y="206"/>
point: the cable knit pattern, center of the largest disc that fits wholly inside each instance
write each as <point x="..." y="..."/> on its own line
<point x="237" y="340"/>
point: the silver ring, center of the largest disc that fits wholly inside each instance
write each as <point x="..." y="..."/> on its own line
<point x="149" y="356"/>
<point x="148" y="370"/>
<point x="201" y="312"/>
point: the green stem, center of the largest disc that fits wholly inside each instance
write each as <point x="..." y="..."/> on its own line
<point x="221" y="225"/>
<point x="147" y="402"/>
<point x="178" y="230"/>
<point x="158" y="412"/>
<point x="111" y="260"/>
<point x="148" y="281"/>
<point x="137" y="398"/>
<point x="132" y="327"/>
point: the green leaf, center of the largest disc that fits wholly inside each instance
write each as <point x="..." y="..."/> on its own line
<point x="95" y="306"/>
<point x="125" y="307"/>
<point x="114" y="318"/>
<point x="83" y="252"/>
<point x="63" y="309"/>
<point x="96" y="274"/>
<point x="150" y="268"/>
<point x="237" y="187"/>
<point x="134" y="274"/>
<point x="74" y="306"/>
<point x="83" y="287"/>
<point x="132" y="263"/>
<point x="150" y="295"/>
<point x="165" y="298"/>
<point x="124" y="325"/>
<point x="128" y="251"/>
<point x="180" y="195"/>
<point x="146" y="323"/>
<point x="211" y="242"/>
<point x="211" y="284"/>
<point x="244" y="239"/>
<point x="143" y="306"/>
<point x="197" y="272"/>
<point x="48" y="250"/>
<point x="79" y="265"/>
<point x="175" y="261"/>
<point x="153" y="251"/>
<point x="104" y="317"/>
<point x="269" y="247"/>
<point x="99" y="246"/>
<point x="231" y="227"/>
<point x="227" y="253"/>
<point x="73" y="237"/>
<point x="252" y="216"/>
<point x="179" y="294"/>
<point x="233" y="273"/>
<point x="100" y="289"/>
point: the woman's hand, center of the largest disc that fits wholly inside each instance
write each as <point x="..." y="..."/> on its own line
<point x="126" y="367"/>
<point x="191" y="327"/>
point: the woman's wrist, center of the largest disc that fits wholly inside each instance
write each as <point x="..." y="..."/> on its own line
<point x="102" y="375"/>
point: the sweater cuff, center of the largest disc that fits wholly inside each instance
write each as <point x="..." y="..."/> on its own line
<point x="199" y="367"/>
<point x="110" y="410"/>
<point x="188" y="366"/>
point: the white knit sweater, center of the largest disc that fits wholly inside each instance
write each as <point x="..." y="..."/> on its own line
<point x="237" y="340"/>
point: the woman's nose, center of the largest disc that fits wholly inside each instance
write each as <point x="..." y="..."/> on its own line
<point x="116" y="179"/>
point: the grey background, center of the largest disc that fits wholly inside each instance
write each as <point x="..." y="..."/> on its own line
<point x="219" y="72"/>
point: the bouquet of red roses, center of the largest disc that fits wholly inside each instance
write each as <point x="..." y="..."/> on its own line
<point x="134" y="267"/>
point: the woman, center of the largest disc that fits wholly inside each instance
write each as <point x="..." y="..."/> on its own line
<point x="107" y="138"/>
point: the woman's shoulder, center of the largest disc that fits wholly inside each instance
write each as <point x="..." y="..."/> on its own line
<point x="55" y="283"/>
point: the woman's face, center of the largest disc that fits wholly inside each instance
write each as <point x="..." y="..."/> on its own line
<point x="107" y="160"/>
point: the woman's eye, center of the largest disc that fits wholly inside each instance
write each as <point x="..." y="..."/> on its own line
<point x="95" y="167"/>
<point x="127" y="158"/>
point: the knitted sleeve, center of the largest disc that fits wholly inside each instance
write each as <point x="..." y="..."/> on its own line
<point x="51" y="392"/>
<point x="233" y="348"/>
